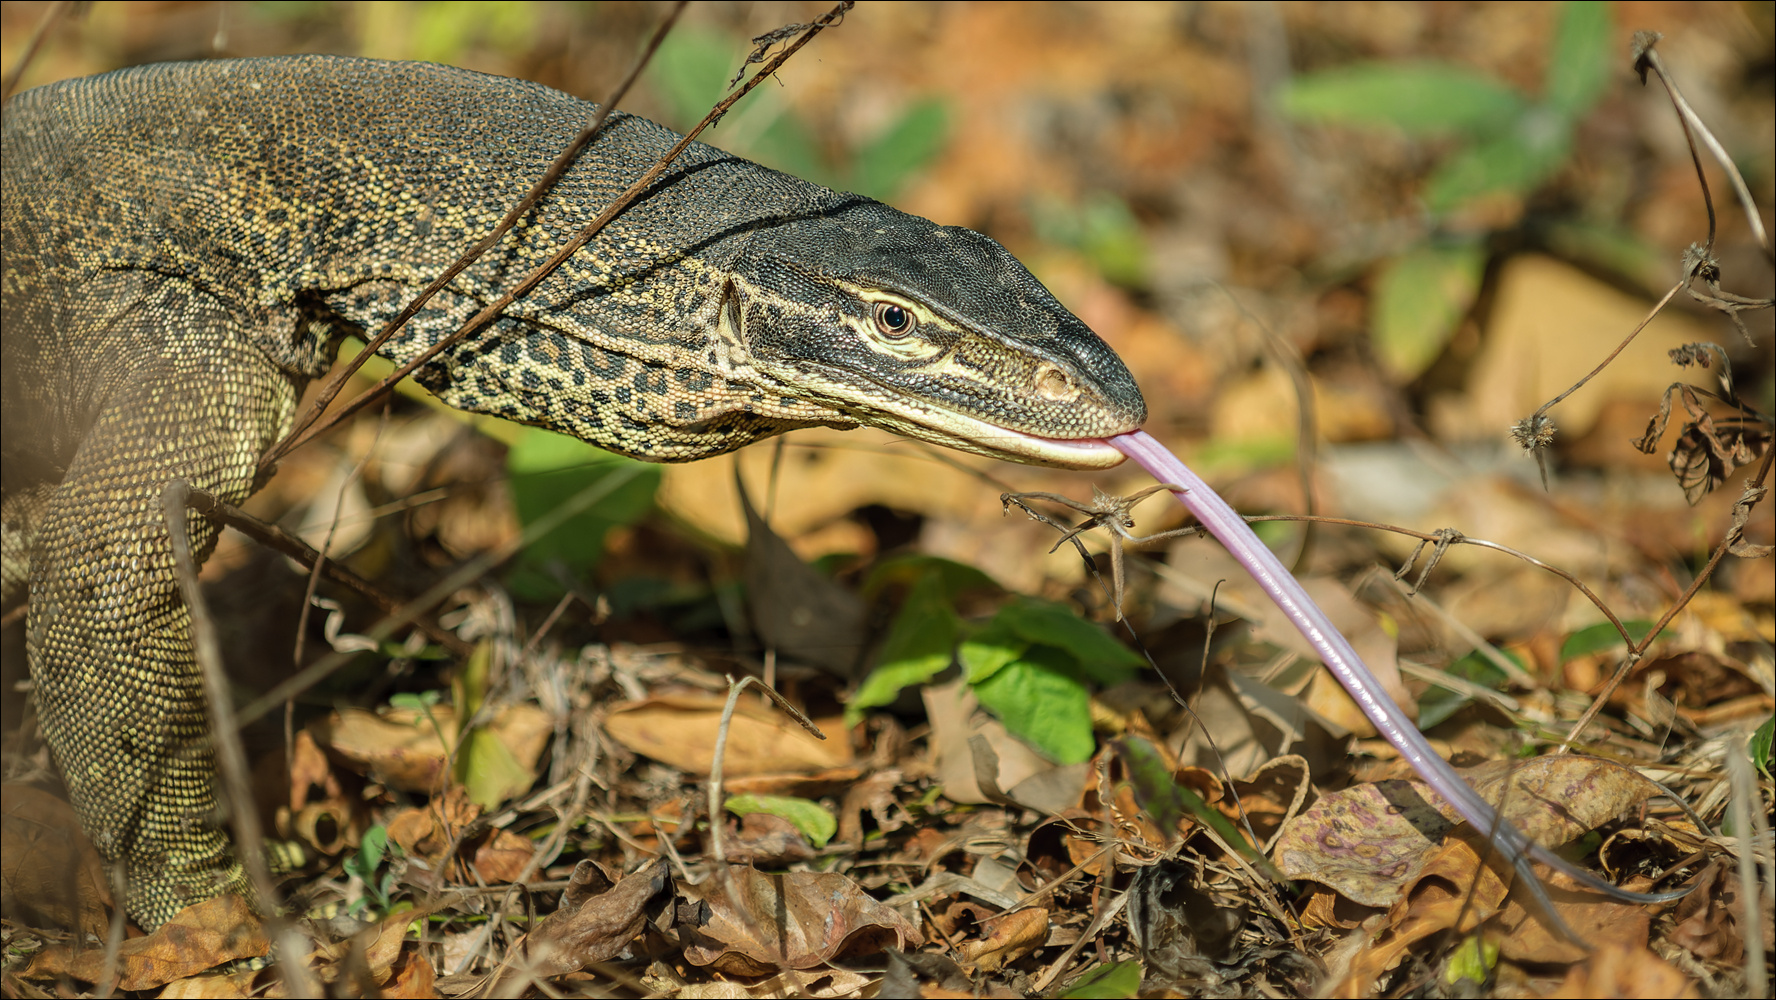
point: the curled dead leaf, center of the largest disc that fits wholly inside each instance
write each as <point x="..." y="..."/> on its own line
<point x="599" y="916"/>
<point x="1013" y="936"/>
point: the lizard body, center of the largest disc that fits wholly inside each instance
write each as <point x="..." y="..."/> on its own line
<point x="184" y="245"/>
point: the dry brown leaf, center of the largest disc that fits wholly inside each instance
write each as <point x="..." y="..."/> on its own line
<point x="1369" y="841"/>
<point x="1528" y="938"/>
<point x="232" y="986"/>
<point x="410" y="978"/>
<point x="796" y="920"/>
<point x="680" y="731"/>
<point x="400" y="748"/>
<point x="409" y="749"/>
<point x="198" y="937"/>
<point x="1013" y="936"/>
<point x="1707" y="924"/>
<point x="956" y="722"/>
<point x="767" y="840"/>
<point x="1627" y="970"/>
<point x="502" y="857"/>
<point x="801" y="611"/>
<point x="1549" y="324"/>
<point x="599" y="917"/>
<point x="1453" y="890"/>
<point x="50" y="876"/>
<point x="430" y="831"/>
<point x="832" y="781"/>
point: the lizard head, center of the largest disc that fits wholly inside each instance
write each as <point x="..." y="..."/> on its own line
<point x="934" y="332"/>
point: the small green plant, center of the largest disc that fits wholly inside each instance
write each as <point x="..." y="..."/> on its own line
<point x="691" y="72"/>
<point x="1032" y="664"/>
<point x="1506" y="143"/>
<point x="549" y="469"/>
<point x="367" y="867"/>
<point x="810" y="818"/>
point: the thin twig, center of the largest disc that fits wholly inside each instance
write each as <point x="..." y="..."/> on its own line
<point x="273" y="537"/>
<point x="39" y="34"/>
<point x="465" y="574"/>
<point x="1646" y="51"/>
<point x="584" y="236"/>
<point x="721" y="746"/>
<point x="336" y="382"/>
<point x="1636" y="650"/>
<point x="225" y="742"/>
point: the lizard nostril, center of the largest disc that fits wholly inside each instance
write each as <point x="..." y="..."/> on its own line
<point x="1054" y="385"/>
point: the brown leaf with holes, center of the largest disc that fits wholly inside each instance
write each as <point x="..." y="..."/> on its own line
<point x="50" y="876"/>
<point x="744" y="922"/>
<point x="1709" y="919"/>
<point x="198" y="937"/>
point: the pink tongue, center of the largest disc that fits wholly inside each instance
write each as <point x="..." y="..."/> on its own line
<point x="1336" y="652"/>
<point x="1231" y="529"/>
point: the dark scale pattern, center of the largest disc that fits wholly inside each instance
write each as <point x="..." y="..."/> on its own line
<point x="184" y="242"/>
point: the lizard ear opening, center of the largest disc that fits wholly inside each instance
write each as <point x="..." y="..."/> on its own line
<point x="731" y="314"/>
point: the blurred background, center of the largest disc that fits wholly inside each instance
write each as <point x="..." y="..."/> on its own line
<point x="1425" y="219"/>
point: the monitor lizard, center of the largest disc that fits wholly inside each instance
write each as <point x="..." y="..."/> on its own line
<point x="185" y="244"/>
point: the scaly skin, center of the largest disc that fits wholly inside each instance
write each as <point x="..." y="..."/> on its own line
<point x="185" y="244"/>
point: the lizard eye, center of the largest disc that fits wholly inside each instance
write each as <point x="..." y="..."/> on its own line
<point x="894" y="321"/>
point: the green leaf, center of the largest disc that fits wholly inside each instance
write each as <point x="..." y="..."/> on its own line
<point x="1439" y="703"/>
<point x="549" y="469"/>
<point x="1514" y="164"/>
<point x="810" y="818"/>
<point x="1472" y="960"/>
<point x="902" y="150"/>
<point x="1100" y="657"/>
<point x="486" y="768"/>
<point x="1603" y="636"/>
<point x="1168" y="802"/>
<point x="1416" y="98"/>
<point x="1420" y="299"/>
<point x="1111" y="981"/>
<point x="689" y="72"/>
<point x="986" y="652"/>
<point x="1042" y="701"/>
<point x="1579" y="62"/>
<point x="470" y="685"/>
<point x="371" y="849"/>
<point x="956" y="578"/>
<point x="1760" y="746"/>
<point x="920" y="645"/>
<point x="1101" y="229"/>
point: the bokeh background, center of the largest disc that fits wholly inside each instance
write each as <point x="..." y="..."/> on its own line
<point x="1421" y="220"/>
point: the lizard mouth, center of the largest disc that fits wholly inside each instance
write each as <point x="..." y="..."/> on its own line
<point x="971" y="434"/>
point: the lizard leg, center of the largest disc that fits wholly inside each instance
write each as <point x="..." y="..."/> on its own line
<point x="109" y="638"/>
